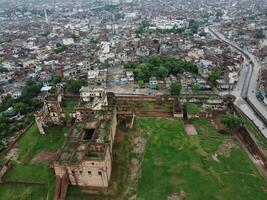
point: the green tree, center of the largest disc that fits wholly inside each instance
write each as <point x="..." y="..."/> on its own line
<point x="193" y="25"/>
<point x="141" y="83"/>
<point x="229" y="98"/>
<point x="3" y="70"/>
<point x="175" y="89"/>
<point x="143" y="72"/>
<point x="55" y="79"/>
<point x="30" y="90"/>
<point x="259" y="34"/>
<point x="214" y="75"/>
<point x="21" y="107"/>
<point x="162" y="72"/>
<point x="73" y="86"/>
<point x="231" y="122"/>
<point x="219" y="14"/>
<point x="7" y="102"/>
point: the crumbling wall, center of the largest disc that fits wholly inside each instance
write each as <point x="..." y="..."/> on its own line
<point x="85" y="173"/>
<point x="39" y="124"/>
<point x="4" y="168"/>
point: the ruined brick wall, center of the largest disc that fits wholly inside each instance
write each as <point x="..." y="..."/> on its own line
<point x="86" y="173"/>
<point x="84" y="113"/>
<point x="4" y="168"/>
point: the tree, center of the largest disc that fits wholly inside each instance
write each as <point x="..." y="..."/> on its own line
<point x="30" y="90"/>
<point x="55" y="79"/>
<point x="141" y="83"/>
<point x="143" y="72"/>
<point x="231" y="122"/>
<point x="229" y="98"/>
<point x="2" y="69"/>
<point x="193" y="25"/>
<point x="162" y="72"/>
<point x="214" y="75"/>
<point x="175" y="89"/>
<point x="128" y="66"/>
<point x="7" y="102"/>
<point x="21" y="107"/>
<point x="259" y="34"/>
<point x="73" y="86"/>
<point x="219" y="14"/>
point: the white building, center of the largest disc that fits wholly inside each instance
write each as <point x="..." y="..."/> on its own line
<point x="105" y="47"/>
<point x="68" y="41"/>
<point x="92" y="74"/>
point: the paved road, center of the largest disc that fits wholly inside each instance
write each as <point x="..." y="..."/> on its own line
<point x="248" y="77"/>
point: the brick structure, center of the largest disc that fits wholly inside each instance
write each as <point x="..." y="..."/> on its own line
<point x="90" y="163"/>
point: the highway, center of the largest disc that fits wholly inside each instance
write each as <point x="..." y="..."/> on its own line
<point x="246" y="87"/>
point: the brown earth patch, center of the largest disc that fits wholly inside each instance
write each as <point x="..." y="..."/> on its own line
<point x="180" y="196"/>
<point x="138" y="145"/>
<point x="119" y="136"/>
<point x="190" y="129"/>
<point x="13" y="154"/>
<point x="224" y="149"/>
<point x="134" y="170"/>
<point x="46" y="156"/>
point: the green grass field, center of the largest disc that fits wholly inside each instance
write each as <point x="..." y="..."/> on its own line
<point x="25" y="169"/>
<point x="19" y="192"/>
<point x="32" y="142"/>
<point x="175" y="162"/>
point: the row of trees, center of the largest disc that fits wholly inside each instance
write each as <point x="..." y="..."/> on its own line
<point x="161" y="67"/>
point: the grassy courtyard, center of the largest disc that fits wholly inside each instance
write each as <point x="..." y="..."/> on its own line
<point x="69" y="106"/>
<point x="175" y="162"/>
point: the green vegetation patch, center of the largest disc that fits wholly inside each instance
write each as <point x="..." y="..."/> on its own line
<point x="69" y="106"/>
<point x="19" y="191"/>
<point x="34" y="174"/>
<point x="176" y="162"/>
<point x="260" y="139"/>
<point x="29" y="172"/>
<point x="192" y="108"/>
<point x="32" y="142"/>
<point x="25" y="170"/>
<point x="205" y="127"/>
<point x="153" y="106"/>
<point x="161" y="67"/>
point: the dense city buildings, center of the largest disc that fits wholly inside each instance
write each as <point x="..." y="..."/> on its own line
<point x="133" y="99"/>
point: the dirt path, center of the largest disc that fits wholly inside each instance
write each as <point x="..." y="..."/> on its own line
<point x="138" y="150"/>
